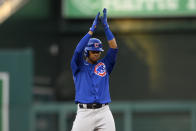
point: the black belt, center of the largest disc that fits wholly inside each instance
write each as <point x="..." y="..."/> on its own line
<point x="91" y="106"/>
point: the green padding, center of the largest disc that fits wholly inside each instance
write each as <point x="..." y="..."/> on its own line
<point x="19" y="65"/>
<point x="129" y="8"/>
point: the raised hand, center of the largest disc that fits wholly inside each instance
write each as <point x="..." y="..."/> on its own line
<point x="95" y="22"/>
<point x="104" y="19"/>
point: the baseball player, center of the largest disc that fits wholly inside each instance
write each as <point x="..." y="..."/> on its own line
<point x="91" y="79"/>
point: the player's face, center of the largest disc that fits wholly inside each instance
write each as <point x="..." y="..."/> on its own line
<point x="94" y="55"/>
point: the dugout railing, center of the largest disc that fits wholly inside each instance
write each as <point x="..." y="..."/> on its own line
<point x="126" y="108"/>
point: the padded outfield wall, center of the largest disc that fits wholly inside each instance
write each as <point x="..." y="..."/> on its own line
<point x="15" y="89"/>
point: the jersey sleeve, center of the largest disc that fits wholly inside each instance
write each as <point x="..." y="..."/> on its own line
<point x="77" y="58"/>
<point x="110" y="59"/>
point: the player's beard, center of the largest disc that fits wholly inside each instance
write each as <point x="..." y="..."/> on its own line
<point x="93" y="59"/>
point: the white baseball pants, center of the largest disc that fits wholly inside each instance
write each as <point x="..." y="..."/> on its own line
<point x="100" y="119"/>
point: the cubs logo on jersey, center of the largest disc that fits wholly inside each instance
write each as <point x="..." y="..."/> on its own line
<point x="100" y="69"/>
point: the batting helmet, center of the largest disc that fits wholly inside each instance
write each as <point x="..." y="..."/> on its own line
<point x="94" y="44"/>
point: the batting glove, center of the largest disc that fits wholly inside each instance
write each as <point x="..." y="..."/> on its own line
<point x="95" y="22"/>
<point x="104" y="19"/>
<point x="104" y="22"/>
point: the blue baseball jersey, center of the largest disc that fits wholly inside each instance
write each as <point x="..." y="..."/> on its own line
<point x="92" y="80"/>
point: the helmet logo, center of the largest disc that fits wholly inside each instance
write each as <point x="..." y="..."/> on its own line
<point x="96" y="45"/>
<point x="100" y="69"/>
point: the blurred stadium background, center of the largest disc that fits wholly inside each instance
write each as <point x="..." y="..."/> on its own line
<point x="153" y="85"/>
